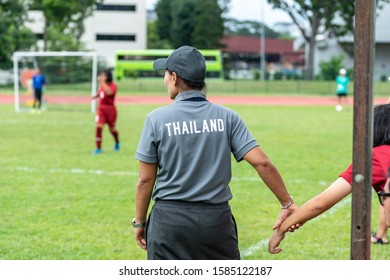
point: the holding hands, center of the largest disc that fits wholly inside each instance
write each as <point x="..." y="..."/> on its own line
<point x="280" y="231"/>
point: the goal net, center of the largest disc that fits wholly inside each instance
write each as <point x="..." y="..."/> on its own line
<point x="71" y="78"/>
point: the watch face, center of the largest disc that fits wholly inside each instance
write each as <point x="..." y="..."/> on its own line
<point x="135" y="225"/>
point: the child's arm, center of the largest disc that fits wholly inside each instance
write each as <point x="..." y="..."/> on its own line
<point x="311" y="209"/>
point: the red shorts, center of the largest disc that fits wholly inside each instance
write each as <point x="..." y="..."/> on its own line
<point x="106" y="115"/>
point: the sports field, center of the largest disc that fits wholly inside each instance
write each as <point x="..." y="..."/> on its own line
<point x="57" y="201"/>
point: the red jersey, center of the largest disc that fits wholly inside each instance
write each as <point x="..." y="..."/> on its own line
<point x="380" y="167"/>
<point x="106" y="99"/>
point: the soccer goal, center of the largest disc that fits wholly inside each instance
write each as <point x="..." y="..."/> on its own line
<point x="70" y="77"/>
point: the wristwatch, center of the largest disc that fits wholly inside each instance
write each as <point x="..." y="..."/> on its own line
<point x="135" y="225"/>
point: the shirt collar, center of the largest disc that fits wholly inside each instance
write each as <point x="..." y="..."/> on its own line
<point x="189" y="94"/>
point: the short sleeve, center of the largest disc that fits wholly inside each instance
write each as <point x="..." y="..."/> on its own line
<point x="113" y="87"/>
<point x="347" y="175"/>
<point x="147" y="151"/>
<point x="241" y="139"/>
<point x="379" y="175"/>
<point x="378" y="178"/>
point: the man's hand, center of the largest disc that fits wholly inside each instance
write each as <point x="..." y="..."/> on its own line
<point x="284" y="215"/>
<point x="274" y="242"/>
<point x="139" y="234"/>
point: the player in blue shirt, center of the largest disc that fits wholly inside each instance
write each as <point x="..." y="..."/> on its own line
<point x="342" y="81"/>
<point x="39" y="83"/>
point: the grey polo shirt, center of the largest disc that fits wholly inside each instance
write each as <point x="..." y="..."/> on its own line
<point x="192" y="140"/>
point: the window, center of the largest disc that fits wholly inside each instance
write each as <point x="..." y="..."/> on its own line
<point x="115" y="37"/>
<point x="124" y="8"/>
<point x="154" y="57"/>
<point x="140" y="57"/>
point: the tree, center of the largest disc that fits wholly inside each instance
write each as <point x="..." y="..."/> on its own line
<point x="188" y="22"/>
<point x="183" y="22"/>
<point x="313" y="17"/>
<point x="346" y="11"/>
<point x="14" y="35"/>
<point x="64" y="22"/>
<point x="164" y="19"/>
<point x="154" y="41"/>
<point x="209" y="27"/>
<point x="330" y="69"/>
<point x="310" y="16"/>
<point x="248" y="28"/>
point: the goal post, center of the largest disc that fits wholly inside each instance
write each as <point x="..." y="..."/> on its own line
<point x="18" y="55"/>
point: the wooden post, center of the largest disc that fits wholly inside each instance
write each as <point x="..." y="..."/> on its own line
<point x="362" y="129"/>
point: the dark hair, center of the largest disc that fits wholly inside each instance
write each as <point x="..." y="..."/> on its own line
<point x="108" y="74"/>
<point x="201" y="86"/>
<point x="381" y="125"/>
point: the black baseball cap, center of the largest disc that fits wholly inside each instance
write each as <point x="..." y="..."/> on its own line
<point x="186" y="61"/>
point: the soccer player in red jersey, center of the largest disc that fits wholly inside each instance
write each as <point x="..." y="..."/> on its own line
<point x="106" y="113"/>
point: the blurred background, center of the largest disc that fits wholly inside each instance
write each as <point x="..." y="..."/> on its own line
<point x="256" y="39"/>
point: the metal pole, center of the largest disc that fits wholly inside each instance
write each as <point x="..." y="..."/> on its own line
<point x="262" y="43"/>
<point x="16" y="84"/>
<point x="94" y="76"/>
<point x="362" y="129"/>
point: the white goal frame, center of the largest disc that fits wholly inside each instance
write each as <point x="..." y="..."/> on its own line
<point x="17" y="55"/>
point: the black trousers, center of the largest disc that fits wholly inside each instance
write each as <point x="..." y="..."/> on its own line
<point x="38" y="96"/>
<point x="191" y="231"/>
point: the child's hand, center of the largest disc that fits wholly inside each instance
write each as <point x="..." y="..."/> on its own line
<point x="274" y="242"/>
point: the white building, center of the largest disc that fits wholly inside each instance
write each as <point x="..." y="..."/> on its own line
<point x="114" y="25"/>
<point x="328" y="47"/>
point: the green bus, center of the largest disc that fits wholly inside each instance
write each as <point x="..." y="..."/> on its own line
<point x="139" y="63"/>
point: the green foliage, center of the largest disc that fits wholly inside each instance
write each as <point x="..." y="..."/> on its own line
<point x="209" y="28"/>
<point x="346" y="11"/>
<point x="183" y="22"/>
<point x="330" y="69"/>
<point x="249" y="28"/>
<point x="310" y="17"/>
<point x="14" y="36"/>
<point x="164" y="19"/>
<point x="256" y="74"/>
<point x="154" y="41"/>
<point x="315" y="16"/>
<point x="187" y="22"/>
<point x="64" y="22"/>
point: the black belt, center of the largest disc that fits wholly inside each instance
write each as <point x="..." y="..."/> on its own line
<point x="196" y="203"/>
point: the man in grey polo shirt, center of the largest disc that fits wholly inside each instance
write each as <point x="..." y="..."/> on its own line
<point x="185" y="167"/>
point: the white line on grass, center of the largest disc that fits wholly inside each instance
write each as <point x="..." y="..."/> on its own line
<point x="70" y="171"/>
<point x="264" y="242"/>
<point x="251" y="250"/>
<point x="112" y="173"/>
<point x="56" y="122"/>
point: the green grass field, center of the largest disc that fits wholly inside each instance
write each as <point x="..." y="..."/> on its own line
<point x="57" y="201"/>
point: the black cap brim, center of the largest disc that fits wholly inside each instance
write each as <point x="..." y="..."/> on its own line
<point x="160" y="64"/>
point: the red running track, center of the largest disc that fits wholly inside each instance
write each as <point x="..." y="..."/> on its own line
<point x="224" y="100"/>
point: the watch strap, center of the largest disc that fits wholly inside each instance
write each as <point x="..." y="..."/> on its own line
<point x="138" y="225"/>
